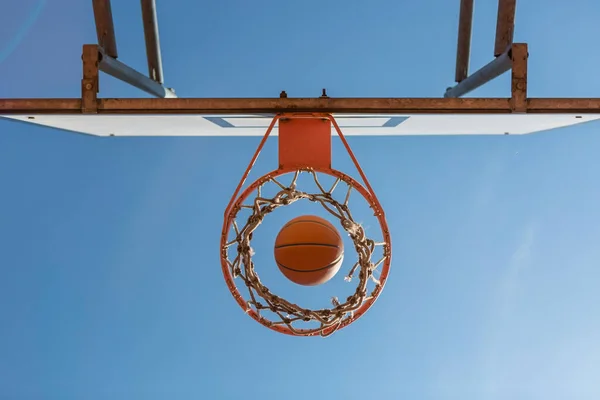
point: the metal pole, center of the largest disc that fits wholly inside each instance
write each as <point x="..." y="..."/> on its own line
<point x="463" y="50"/>
<point x="127" y="74"/>
<point x="500" y="65"/>
<point x="505" y="26"/>
<point x="105" y="29"/>
<point x="152" y="42"/>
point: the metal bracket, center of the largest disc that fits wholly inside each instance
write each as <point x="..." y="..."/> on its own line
<point x="519" y="55"/>
<point x="89" y="83"/>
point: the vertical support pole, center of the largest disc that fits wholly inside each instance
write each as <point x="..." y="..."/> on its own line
<point x="505" y="26"/>
<point x="152" y="42"/>
<point x="519" y="55"/>
<point x="105" y="29"/>
<point x="89" y="82"/>
<point x="463" y="48"/>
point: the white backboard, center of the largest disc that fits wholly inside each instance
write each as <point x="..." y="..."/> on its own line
<point x="351" y="125"/>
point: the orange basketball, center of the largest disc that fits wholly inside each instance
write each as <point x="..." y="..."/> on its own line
<point x="309" y="250"/>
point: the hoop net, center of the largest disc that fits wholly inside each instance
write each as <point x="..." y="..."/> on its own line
<point x="273" y="310"/>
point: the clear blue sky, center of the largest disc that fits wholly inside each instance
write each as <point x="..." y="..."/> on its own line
<point x="110" y="281"/>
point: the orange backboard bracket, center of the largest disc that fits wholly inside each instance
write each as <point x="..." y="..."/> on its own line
<point x="304" y="142"/>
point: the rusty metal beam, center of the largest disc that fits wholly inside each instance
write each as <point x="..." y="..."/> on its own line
<point x="40" y="106"/>
<point x="505" y="26"/>
<point x="563" y="105"/>
<point x="463" y="48"/>
<point x="328" y="105"/>
<point x="224" y="106"/>
<point x="155" y="71"/>
<point x="258" y="105"/>
<point x="519" y="55"/>
<point x="90" y="80"/>
<point x="105" y="29"/>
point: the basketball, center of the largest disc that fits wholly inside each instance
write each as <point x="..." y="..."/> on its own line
<point x="309" y="250"/>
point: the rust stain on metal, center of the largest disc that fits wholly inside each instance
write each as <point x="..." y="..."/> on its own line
<point x="505" y="26"/>
<point x="519" y="55"/>
<point x="89" y="82"/>
<point x="105" y="29"/>
<point x="225" y="106"/>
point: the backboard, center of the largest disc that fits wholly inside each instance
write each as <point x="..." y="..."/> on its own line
<point x="353" y="125"/>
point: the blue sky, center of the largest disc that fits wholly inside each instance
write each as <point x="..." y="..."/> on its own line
<point x="110" y="281"/>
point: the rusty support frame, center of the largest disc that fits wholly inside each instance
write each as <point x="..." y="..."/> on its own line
<point x="519" y="55"/>
<point x="90" y="80"/>
<point x="107" y="49"/>
<point x="95" y="59"/>
<point x="505" y="26"/>
<point x="502" y="49"/>
<point x="228" y="106"/>
<point x="463" y="48"/>
<point x="105" y="28"/>
<point x="150" y="20"/>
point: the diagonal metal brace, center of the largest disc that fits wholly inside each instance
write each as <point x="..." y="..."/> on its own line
<point x="129" y="75"/>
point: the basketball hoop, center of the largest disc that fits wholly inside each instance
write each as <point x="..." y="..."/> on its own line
<point x="304" y="147"/>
